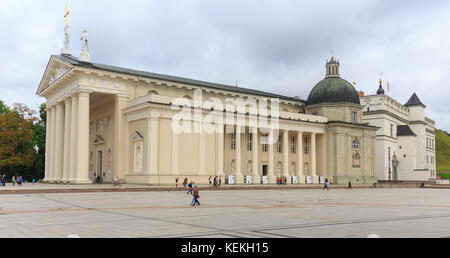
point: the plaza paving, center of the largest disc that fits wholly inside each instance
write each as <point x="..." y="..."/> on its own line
<point x="246" y="213"/>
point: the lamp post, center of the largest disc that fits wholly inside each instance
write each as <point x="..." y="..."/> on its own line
<point x="389" y="162"/>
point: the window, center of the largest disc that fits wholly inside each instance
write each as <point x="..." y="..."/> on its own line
<point x="110" y="123"/>
<point x="279" y="144"/>
<point x="306" y="145"/>
<point x="249" y="141"/>
<point x="392" y="130"/>
<point x="264" y="141"/>
<point x="100" y="125"/>
<point x="293" y="144"/>
<point x="355" y="145"/>
<point x="91" y="127"/>
<point x="233" y="141"/>
<point x="354" y="120"/>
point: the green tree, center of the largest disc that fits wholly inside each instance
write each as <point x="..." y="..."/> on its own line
<point x="38" y="139"/>
<point x="16" y="146"/>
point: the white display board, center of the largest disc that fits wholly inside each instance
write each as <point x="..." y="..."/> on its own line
<point x="309" y="180"/>
<point x="265" y="180"/>
<point x="231" y="180"/>
<point x="295" y="180"/>
<point x="248" y="180"/>
<point x="322" y="180"/>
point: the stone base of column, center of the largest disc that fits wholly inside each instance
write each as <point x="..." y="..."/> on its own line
<point x="272" y="179"/>
<point x="239" y="179"/>
<point x="256" y="179"/>
<point x="288" y="179"/>
<point x="81" y="182"/>
<point x="315" y="179"/>
<point x="301" y="180"/>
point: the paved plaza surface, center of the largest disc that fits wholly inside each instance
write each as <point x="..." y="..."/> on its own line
<point x="229" y="214"/>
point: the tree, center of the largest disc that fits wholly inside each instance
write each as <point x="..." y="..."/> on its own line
<point x="39" y="134"/>
<point x="16" y="145"/>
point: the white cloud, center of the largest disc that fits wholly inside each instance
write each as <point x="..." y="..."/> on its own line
<point x="277" y="46"/>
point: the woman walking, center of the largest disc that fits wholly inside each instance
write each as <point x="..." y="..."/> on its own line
<point x="195" y="197"/>
<point x="325" y="185"/>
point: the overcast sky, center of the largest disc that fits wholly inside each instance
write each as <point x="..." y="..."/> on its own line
<point x="277" y="46"/>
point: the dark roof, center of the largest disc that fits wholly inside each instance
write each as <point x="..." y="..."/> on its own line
<point x="333" y="90"/>
<point x="405" y="130"/>
<point x="414" y="101"/>
<point x="75" y="61"/>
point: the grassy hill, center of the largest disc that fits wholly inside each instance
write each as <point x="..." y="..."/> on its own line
<point x="442" y="151"/>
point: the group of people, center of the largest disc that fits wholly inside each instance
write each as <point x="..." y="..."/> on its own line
<point x="15" y="180"/>
<point x="215" y="182"/>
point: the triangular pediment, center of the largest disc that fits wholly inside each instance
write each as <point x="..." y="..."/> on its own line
<point x="99" y="140"/>
<point x="137" y="136"/>
<point x="56" y="68"/>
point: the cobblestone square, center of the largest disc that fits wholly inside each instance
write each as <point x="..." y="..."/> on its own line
<point x="229" y="214"/>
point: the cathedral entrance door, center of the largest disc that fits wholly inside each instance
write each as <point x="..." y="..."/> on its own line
<point x="100" y="165"/>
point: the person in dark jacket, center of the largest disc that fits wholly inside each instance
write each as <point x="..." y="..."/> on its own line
<point x="195" y="197"/>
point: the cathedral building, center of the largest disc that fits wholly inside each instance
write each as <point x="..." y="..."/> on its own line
<point x="105" y="122"/>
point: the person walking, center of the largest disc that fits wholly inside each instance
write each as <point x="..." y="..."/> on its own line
<point x="220" y="181"/>
<point x="325" y="185"/>
<point x="185" y="182"/>
<point x="210" y="181"/>
<point x="349" y="185"/>
<point x="3" y="180"/>
<point x="34" y="180"/>
<point x="195" y="197"/>
<point x="215" y="182"/>
<point x="191" y="187"/>
<point x="13" y="180"/>
<point x="20" y="181"/>
<point x="176" y="182"/>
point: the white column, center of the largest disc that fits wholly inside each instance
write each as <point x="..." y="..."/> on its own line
<point x="73" y="138"/>
<point x="300" y="173"/>
<point x="313" y="159"/>
<point x="255" y="162"/>
<point x="154" y="145"/>
<point x="53" y="145"/>
<point x="286" y="155"/>
<point x="83" y="139"/>
<point x="220" y="151"/>
<point x="121" y="138"/>
<point x="324" y="157"/>
<point x="202" y="154"/>
<point x="175" y="153"/>
<point x="59" y="144"/>
<point x="47" y="145"/>
<point x="67" y="120"/>
<point x="271" y="172"/>
<point x="239" y="179"/>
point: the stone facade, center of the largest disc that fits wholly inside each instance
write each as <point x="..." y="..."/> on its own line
<point x="405" y="142"/>
<point x="106" y="122"/>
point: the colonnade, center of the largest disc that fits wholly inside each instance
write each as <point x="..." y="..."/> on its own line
<point x="256" y="169"/>
<point x="67" y="140"/>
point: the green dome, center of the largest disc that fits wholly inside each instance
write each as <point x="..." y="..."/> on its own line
<point x="333" y="90"/>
